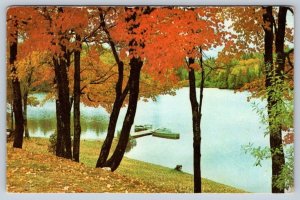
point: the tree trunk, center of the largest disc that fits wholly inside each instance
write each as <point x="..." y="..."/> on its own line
<point x="275" y="132"/>
<point x="135" y="69"/>
<point x="200" y="113"/>
<point x="120" y="96"/>
<point x="116" y="158"/>
<point x="196" y="129"/>
<point x="63" y="109"/>
<point x="59" y="149"/>
<point x="278" y="160"/>
<point x="17" y="97"/>
<point x="77" y="127"/>
<point x="25" y="100"/>
<point x="110" y="133"/>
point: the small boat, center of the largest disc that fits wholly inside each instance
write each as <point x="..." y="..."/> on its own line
<point x="165" y="133"/>
<point x="138" y="128"/>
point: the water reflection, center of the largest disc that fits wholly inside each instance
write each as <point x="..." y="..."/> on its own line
<point x="96" y="124"/>
<point x="43" y="125"/>
<point x="92" y="127"/>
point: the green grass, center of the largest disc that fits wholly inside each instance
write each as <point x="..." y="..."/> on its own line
<point x="154" y="177"/>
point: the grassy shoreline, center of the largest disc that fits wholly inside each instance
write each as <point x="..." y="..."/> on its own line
<point x="52" y="174"/>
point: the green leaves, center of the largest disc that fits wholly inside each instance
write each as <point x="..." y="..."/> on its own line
<point x="286" y="178"/>
<point x="259" y="153"/>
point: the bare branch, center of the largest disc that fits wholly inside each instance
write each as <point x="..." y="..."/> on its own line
<point x="291" y="10"/>
<point x="99" y="81"/>
<point x="90" y="99"/>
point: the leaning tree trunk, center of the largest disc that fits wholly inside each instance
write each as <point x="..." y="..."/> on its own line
<point x="77" y="127"/>
<point x="135" y="69"/>
<point x="63" y="110"/>
<point x="111" y="129"/>
<point x="17" y="97"/>
<point x="274" y="130"/>
<point x="134" y="79"/>
<point x="119" y="99"/>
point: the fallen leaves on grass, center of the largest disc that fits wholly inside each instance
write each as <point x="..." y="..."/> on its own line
<point x="34" y="169"/>
<point x="28" y="172"/>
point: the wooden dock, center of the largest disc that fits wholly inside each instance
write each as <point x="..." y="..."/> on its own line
<point x="141" y="133"/>
<point x="161" y="133"/>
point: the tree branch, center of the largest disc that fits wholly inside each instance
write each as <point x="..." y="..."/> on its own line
<point x="99" y="81"/>
<point x="291" y="10"/>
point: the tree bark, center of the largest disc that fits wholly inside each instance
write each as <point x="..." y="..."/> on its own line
<point x="278" y="160"/>
<point x="116" y="158"/>
<point x="17" y="97"/>
<point x="63" y="103"/>
<point x="135" y="69"/>
<point x="77" y="126"/>
<point x="111" y="129"/>
<point x="59" y="149"/>
<point x="271" y="72"/>
<point x="119" y="99"/>
<point x="200" y="112"/>
<point x="196" y="115"/>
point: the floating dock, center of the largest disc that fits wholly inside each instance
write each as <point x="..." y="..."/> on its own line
<point x="141" y="134"/>
<point x="144" y="130"/>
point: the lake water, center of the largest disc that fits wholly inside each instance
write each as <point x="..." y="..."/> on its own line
<point x="228" y="122"/>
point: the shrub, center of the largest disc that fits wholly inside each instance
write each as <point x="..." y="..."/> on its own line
<point x="52" y="142"/>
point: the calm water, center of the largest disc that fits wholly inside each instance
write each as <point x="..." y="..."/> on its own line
<point x="228" y="122"/>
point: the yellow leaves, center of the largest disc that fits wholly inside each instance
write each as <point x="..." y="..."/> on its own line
<point x="66" y="188"/>
<point x="154" y="84"/>
<point x="250" y="61"/>
<point x="33" y="67"/>
<point x="99" y="74"/>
